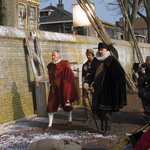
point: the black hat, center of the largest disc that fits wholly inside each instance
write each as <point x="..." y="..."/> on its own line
<point x="102" y="45"/>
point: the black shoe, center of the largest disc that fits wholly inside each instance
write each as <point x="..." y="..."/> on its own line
<point x="106" y="133"/>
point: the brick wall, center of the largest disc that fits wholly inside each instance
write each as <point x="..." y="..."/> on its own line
<point x="17" y="86"/>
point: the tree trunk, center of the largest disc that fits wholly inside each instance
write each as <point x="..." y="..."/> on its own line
<point x="7" y="14"/>
<point x="148" y="28"/>
<point x="148" y="20"/>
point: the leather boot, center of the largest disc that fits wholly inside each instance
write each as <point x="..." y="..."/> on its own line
<point x="107" y="129"/>
<point x="101" y="118"/>
<point x="88" y="115"/>
<point x="107" y="122"/>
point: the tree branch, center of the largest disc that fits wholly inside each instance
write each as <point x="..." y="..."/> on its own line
<point x="142" y="16"/>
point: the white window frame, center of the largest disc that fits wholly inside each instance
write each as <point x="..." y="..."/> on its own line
<point x="33" y="25"/>
<point x="22" y="19"/>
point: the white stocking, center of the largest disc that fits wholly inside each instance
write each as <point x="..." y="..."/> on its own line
<point x="70" y="116"/>
<point x="50" y="117"/>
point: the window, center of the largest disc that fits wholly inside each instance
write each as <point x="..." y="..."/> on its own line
<point x="43" y="14"/>
<point x="32" y="17"/>
<point x="43" y="27"/>
<point x="22" y="16"/>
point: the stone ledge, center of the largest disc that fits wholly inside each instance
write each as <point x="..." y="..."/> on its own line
<point x="20" y="120"/>
<point x="13" y="32"/>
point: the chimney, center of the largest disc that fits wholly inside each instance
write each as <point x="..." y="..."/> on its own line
<point x="60" y="5"/>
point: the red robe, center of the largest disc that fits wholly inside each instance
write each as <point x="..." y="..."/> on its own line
<point x="144" y="142"/>
<point x="62" y="87"/>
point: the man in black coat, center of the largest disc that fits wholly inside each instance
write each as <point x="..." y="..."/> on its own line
<point x="144" y="84"/>
<point x="109" y="85"/>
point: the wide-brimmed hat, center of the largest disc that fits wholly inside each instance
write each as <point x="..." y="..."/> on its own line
<point x="109" y="48"/>
<point x="102" y="45"/>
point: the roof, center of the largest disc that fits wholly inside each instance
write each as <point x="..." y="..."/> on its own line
<point x="60" y="15"/>
<point x="57" y="14"/>
<point x="118" y="30"/>
<point x="138" y="34"/>
<point x="140" y="23"/>
<point x="107" y="24"/>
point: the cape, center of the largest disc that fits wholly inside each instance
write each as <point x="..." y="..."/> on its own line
<point x="62" y="87"/>
<point x="144" y="142"/>
<point x="109" y="85"/>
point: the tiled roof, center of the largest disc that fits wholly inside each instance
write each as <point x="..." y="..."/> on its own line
<point x="140" y="23"/>
<point x="57" y="14"/>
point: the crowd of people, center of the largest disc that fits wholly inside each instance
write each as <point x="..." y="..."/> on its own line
<point x="104" y="86"/>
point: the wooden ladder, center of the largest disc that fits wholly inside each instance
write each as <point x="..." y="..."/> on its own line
<point x="33" y="56"/>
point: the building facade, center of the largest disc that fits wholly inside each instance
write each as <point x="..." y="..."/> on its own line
<point x="23" y="14"/>
<point x="56" y="19"/>
<point x="140" y="29"/>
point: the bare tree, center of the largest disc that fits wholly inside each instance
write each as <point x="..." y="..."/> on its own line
<point x="132" y="7"/>
<point x="146" y="10"/>
<point x="7" y="15"/>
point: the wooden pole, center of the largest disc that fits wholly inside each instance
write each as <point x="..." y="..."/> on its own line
<point x="88" y="9"/>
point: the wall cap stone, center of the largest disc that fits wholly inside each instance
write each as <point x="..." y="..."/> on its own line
<point x="13" y="32"/>
<point x="20" y="120"/>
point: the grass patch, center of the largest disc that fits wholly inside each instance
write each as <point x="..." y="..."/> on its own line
<point x="122" y="143"/>
<point x="125" y="140"/>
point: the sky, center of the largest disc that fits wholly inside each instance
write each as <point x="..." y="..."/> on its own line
<point x="101" y="8"/>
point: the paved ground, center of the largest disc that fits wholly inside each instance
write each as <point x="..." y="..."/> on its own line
<point x="127" y="120"/>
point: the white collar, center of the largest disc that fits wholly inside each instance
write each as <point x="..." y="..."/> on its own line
<point x="56" y="62"/>
<point x="101" y="58"/>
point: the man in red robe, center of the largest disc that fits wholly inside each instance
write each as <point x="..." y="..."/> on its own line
<point x="63" y="90"/>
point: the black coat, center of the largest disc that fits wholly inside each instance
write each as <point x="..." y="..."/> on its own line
<point x="109" y="85"/>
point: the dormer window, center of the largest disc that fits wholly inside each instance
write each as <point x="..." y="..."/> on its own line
<point x="49" y="13"/>
<point x="44" y="13"/>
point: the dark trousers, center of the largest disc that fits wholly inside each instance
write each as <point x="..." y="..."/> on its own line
<point x="144" y="94"/>
<point x="105" y="118"/>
